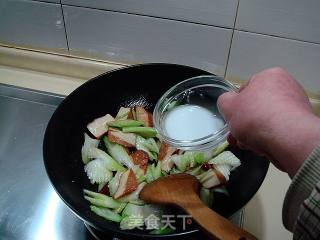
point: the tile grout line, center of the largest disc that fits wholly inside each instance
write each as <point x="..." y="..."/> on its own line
<point x="65" y="28"/>
<point x="149" y="16"/>
<point x="277" y="36"/>
<point x="231" y="40"/>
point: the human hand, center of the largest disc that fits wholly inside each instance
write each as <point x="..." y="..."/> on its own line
<point x="272" y="116"/>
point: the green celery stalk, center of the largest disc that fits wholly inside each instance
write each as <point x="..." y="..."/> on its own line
<point x="106" y="213"/>
<point x="125" y="123"/>
<point x="118" y="153"/>
<point x="108" y="202"/>
<point x="111" y="164"/>
<point x="147" y="132"/>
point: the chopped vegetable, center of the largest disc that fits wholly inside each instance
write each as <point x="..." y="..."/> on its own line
<point x="135" y="155"/>
<point x="101" y="200"/>
<point x="120" y="208"/>
<point x="118" y="153"/>
<point x="98" y="127"/>
<point x="156" y="170"/>
<point x="110" y="163"/>
<point x="224" y="169"/>
<point x="114" y="183"/>
<point x="134" y="196"/>
<point x="97" y="171"/>
<point x="133" y="209"/>
<point x="209" y="154"/>
<point x="106" y="213"/>
<point x="149" y="175"/>
<point x="125" y="123"/>
<point x="87" y="145"/>
<point x="228" y="158"/>
<point x="165" y="153"/>
<point x="128" y="183"/>
<point x="167" y="164"/>
<point x="139" y="173"/>
<point x="211" y="178"/>
<point x="147" y="132"/>
<point x="124" y="113"/>
<point x="131" y="222"/>
<point x="206" y="195"/>
<point x="147" y="145"/>
<point x="124" y="139"/>
<point x="195" y="171"/>
<point x="220" y="148"/>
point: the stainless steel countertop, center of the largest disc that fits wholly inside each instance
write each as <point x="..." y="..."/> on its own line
<point x="29" y="206"/>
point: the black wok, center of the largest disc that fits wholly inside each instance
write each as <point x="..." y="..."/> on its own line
<point x="143" y="85"/>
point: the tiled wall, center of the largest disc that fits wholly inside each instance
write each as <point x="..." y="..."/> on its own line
<point x="232" y="38"/>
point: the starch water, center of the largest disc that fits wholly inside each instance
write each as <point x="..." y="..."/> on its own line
<point x="191" y="122"/>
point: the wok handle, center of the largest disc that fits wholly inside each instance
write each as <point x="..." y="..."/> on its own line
<point x="216" y="226"/>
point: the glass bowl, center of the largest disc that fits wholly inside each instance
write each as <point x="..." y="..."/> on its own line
<point x="200" y="92"/>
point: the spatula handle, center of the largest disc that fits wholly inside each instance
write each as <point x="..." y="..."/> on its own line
<point x="214" y="224"/>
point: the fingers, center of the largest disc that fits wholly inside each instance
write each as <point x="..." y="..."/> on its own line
<point x="225" y="104"/>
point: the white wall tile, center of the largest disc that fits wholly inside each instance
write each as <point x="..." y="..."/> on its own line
<point x="251" y="53"/>
<point x="32" y="24"/>
<point x="132" y="39"/>
<point x="294" y="19"/>
<point x="212" y="12"/>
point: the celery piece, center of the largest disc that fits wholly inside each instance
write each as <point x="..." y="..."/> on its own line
<point x="133" y="209"/>
<point x="195" y="158"/>
<point x="87" y="145"/>
<point x="227" y="158"/>
<point x="131" y="222"/>
<point x="224" y="169"/>
<point x="139" y="173"/>
<point x="195" y="171"/>
<point x="120" y="208"/>
<point x="118" y="153"/>
<point x="108" y="202"/>
<point x="125" y="123"/>
<point x="97" y="171"/>
<point x="206" y="195"/>
<point x="147" y="145"/>
<point x="220" y="148"/>
<point x="114" y="183"/>
<point x="149" y="175"/>
<point x="111" y="164"/>
<point x="100" y="200"/>
<point x="156" y="170"/>
<point x="101" y="185"/>
<point x="209" y="179"/>
<point x="94" y="194"/>
<point x="152" y="145"/>
<point x="181" y="161"/>
<point x="123" y="113"/>
<point x="106" y="213"/>
<point x="147" y="132"/>
<point x="174" y="171"/>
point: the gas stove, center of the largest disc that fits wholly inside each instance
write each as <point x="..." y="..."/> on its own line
<point x="30" y="207"/>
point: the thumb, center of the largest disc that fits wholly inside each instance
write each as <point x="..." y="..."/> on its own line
<point x="225" y="103"/>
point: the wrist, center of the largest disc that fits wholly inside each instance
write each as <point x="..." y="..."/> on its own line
<point x="295" y="139"/>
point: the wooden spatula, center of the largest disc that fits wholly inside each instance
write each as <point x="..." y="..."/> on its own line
<point x="182" y="190"/>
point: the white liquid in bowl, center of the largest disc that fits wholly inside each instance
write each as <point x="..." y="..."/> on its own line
<point x="191" y="122"/>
